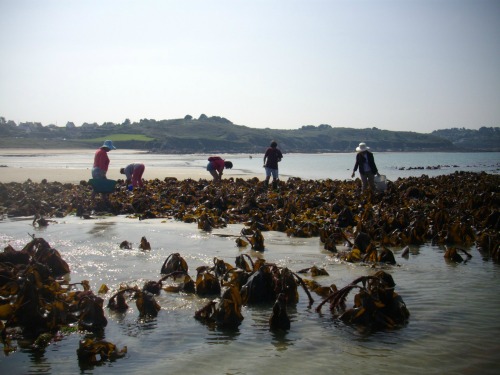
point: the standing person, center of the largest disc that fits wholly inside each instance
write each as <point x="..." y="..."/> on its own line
<point x="366" y="164"/>
<point x="216" y="165"/>
<point x="133" y="173"/>
<point x="271" y="159"/>
<point x="101" y="160"/>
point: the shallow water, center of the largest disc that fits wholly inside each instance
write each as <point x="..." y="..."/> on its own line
<point x="453" y="327"/>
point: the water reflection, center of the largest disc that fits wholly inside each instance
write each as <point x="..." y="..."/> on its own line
<point x="135" y="327"/>
<point x="147" y="324"/>
<point x="39" y="363"/>
<point x="221" y="336"/>
<point x="103" y="229"/>
<point x="280" y="340"/>
<point x="40" y="230"/>
<point x="118" y="316"/>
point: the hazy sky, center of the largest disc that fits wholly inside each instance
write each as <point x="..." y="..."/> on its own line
<point x="416" y="65"/>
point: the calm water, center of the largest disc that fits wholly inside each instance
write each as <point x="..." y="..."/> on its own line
<point x="306" y="166"/>
<point x="453" y="328"/>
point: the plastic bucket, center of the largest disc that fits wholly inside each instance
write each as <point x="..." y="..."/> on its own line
<point x="380" y="182"/>
<point x="102" y="185"/>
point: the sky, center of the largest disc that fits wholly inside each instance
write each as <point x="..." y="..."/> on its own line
<point x="408" y="65"/>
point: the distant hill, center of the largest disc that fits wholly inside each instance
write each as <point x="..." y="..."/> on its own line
<point x="219" y="135"/>
<point x="484" y="139"/>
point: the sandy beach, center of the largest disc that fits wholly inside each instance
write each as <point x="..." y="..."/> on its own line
<point x="74" y="176"/>
<point x="69" y="174"/>
<point x="73" y="166"/>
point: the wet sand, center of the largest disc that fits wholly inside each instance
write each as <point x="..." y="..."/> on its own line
<point x="75" y="175"/>
<point x="68" y="175"/>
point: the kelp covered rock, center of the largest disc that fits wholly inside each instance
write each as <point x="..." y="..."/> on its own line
<point x="96" y="351"/>
<point x="36" y="305"/>
<point x="376" y="304"/>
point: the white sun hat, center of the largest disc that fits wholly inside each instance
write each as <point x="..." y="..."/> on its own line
<point x="362" y="147"/>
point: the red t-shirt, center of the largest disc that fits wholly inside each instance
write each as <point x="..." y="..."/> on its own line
<point x="101" y="160"/>
<point x="217" y="163"/>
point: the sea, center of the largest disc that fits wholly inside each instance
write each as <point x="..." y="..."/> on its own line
<point x="453" y="326"/>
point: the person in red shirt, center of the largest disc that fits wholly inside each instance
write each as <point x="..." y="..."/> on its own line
<point x="216" y="165"/>
<point x="101" y="160"/>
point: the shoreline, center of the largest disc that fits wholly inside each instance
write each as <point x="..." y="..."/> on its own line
<point x="74" y="176"/>
<point x="19" y="165"/>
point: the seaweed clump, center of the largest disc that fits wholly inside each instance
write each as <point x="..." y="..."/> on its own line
<point x="38" y="305"/>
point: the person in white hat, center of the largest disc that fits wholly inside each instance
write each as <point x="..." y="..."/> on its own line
<point x="101" y="160"/>
<point x="367" y="167"/>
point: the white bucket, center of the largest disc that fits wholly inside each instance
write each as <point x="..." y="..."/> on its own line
<point x="380" y="182"/>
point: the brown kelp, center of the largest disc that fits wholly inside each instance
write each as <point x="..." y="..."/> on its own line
<point x="279" y="319"/>
<point x="223" y="312"/>
<point x="459" y="209"/>
<point x="376" y="304"/>
<point x="36" y="303"/>
<point x="92" y="352"/>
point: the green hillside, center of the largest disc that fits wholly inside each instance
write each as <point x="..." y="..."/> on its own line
<point x="217" y="135"/>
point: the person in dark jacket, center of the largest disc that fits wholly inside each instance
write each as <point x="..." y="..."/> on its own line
<point x="367" y="167"/>
<point x="271" y="159"/>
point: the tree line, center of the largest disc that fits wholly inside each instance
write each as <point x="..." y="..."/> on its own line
<point x="219" y="135"/>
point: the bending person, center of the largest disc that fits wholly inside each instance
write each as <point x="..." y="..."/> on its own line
<point x="216" y="165"/>
<point x="133" y="173"/>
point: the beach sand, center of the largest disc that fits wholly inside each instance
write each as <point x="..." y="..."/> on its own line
<point x="69" y="175"/>
<point x="75" y="175"/>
